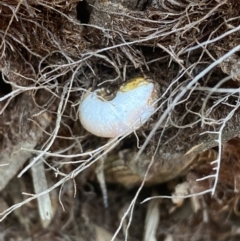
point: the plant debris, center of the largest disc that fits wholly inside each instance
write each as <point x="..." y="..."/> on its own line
<point x="177" y="177"/>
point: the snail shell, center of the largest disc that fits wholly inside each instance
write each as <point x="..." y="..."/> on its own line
<point x="132" y="106"/>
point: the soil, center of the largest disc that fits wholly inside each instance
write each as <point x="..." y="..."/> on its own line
<point x="175" y="178"/>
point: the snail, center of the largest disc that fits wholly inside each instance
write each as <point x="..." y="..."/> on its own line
<point x="128" y="110"/>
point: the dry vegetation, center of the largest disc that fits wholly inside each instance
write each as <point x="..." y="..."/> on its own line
<point x="184" y="163"/>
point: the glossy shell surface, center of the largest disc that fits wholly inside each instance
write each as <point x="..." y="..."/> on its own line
<point x="127" y="111"/>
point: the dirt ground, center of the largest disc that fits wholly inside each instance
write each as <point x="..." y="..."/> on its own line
<point x="176" y="178"/>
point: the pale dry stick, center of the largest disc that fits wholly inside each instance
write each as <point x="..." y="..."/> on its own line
<point x="210" y="121"/>
<point x="57" y="172"/>
<point x="222" y="101"/>
<point x="4" y="164"/>
<point x="110" y="62"/>
<point x="91" y="68"/>
<point x="210" y="94"/>
<point x="104" y="49"/>
<point x="131" y="206"/>
<point x="59" y="197"/>
<point x="204" y="44"/>
<point x="219" y="141"/>
<point x="58" y="66"/>
<point x="90" y="54"/>
<point x="211" y="90"/>
<point x="228" y="25"/>
<point x="205" y="212"/>
<point x="166" y="91"/>
<point x="171" y="121"/>
<point x="49" y="154"/>
<point x="22" y="44"/>
<point x="112" y="144"/>
<point x="99" y="170"/>
<point x="21" y="76"/>
<point x="11" y="20"/>
<point x="189" y="125"/>
<point x="159" y="140"/>
<point x="40" y="184"/>
<point x="49" y="32"/>
<point x="70" y="62"/>
<point x="186" y="113"/>
<point x="151" y="221"/>
<point x="53" y="77"/>
<point x="57" y="126"/>
<point x="205" y="50"/>
<point x="55" y="67"/>
<point x="175" y="91"/>
<point x="14" y="92"/>
<point x="182" y="93"/>
<point x="49" y="134"/>
<point x="29" y="9"/>
<point x="178" y="196"/>
<point x="75" y="22"/>
<point x="192" y="25"/>
<point x="26" y="88"/>
<point x="188" y="15"/>
<point x="71" y="175"/>
<point x="18" y="90"/>
<point x="219" y="90"/>
<point x="92" y="153"/>
<point x="7" y="102"/>
<point x="61" y="13"/>
<point x="166" y="101"/>
<point x="61" y="108"/>
<point x="22" y="88"/>
<point x="137" y="18"/>
<point x="212" y="40"/>
<point x="5" y="213"/>
<point x="4" y="48"/>
<point x="130" y="209"/>
<point x="82" y="161"/>
<point x="175" y="57"/>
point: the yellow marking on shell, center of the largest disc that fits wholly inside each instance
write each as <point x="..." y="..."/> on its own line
<point x="133" y="84"/>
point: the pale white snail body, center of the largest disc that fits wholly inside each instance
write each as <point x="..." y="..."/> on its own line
<point x="127" y="111"/>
